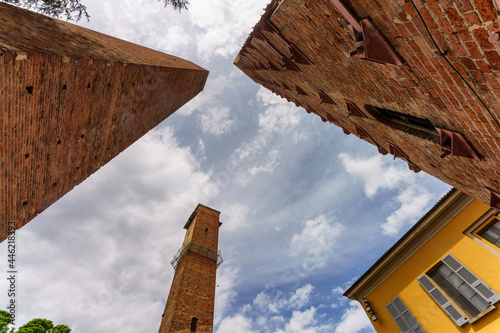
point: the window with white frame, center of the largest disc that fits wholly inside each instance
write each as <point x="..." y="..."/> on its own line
<point x="403" y="317"/>
<point x="459" y="292"/>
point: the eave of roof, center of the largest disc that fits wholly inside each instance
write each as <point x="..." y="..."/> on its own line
<point x="396" y="247"/>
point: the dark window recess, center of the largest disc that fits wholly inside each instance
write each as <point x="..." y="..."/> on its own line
<point x="325" y="98"/>
<point x="194" y="323"/>
<point x="396" y="152"/>
<point x="353" y="110"/>
<point x="492" y="232"/>
<point x="407" y="120"/>
<point x="29" y="89"/>
<point x="298" y="56"/>
<point x="370" y="44"/>
<point x="454" y="143"/>
<point x="418" y="127"/>
<point x="290" y="65"/>
<point x="495" y="200"/>
<point x="301" y="91"/>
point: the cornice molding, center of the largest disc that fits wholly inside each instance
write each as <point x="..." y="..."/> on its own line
<point x="409" y="244"/>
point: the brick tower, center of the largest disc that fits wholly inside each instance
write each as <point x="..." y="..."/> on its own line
<point x="190" y="304"/>
<point x="71" y="99"/>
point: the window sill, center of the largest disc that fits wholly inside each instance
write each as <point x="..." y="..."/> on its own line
<point x="482" y="314"/>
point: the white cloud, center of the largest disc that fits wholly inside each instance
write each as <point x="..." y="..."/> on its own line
<point x="354" y="320"/>
<point x="119" y="230"/>
<point x="227" y="276"/>
<point x="234" y="216"/>
<point x="222" y="26"/>
<point x="413" y="202"/>
<point x="266" y="303"/>
<point x="236" y="324"/>
<point x="316" y="241"/>
<point x="215" y="120"/>
<point x="376" y="174"/>
<point x="273" y="159"/>
<point x="301" y="296"/>
<point x="278" y="119"/>
<point x="280" y="116"/>
<point x="304" y="322"/>
<point x="211" y="95"/>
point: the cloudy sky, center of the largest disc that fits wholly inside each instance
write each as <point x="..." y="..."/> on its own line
<point x="305" y="209"/>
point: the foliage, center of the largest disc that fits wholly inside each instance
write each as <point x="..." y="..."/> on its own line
<point x="177" y="4"/>
<point x="71" y="9"/>
<point x="33" y="326"/>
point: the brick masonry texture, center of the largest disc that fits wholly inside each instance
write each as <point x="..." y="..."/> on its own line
<point x="425" y="86"/>
<point x="192" y="293"/>
<point x="71" y="99"/>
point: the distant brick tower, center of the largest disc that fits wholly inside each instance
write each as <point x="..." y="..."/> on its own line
<point x="190" y="304"/>
<point x="71" y="99"/>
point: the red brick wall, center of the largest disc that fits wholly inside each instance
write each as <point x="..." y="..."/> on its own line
<point x="192" y="293"/>
<point x="72" y="99"/>
<point x="425" y="86"/>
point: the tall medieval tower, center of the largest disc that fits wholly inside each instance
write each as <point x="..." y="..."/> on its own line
<point x="72" y="99"/>
<point x="190" y="304"/>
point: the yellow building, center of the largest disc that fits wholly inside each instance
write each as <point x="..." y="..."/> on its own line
<point x="442" y="276"/>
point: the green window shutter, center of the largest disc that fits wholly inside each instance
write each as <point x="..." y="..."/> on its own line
<point x="471" y="279"/>
<point x="403" y="317"/>
<point x="442" y="300"/>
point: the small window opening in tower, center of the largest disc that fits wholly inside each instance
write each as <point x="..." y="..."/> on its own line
<point x="407" y="120"/>
<point x="206" y="230"/>
<point x="194" y="323"/>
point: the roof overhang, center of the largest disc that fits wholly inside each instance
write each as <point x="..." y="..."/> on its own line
<point x="428" y="226"/>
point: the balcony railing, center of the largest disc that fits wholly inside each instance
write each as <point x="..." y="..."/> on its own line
<point x="198" y="249"/>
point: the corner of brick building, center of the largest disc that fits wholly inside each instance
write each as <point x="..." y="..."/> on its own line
<point x="425" y="86"/>
<point x="71" y="100"/>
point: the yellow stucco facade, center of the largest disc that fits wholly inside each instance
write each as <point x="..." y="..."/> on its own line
<point x="449" y="228"/>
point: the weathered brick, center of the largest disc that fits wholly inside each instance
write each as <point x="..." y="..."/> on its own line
<point x="473" y="50"/>
<point x="453" y="16"/>
<point x="472" y="18"/>
<point x="485" y="9"/>
<point x="482" y="38"/>
<point x="493" y="59"/>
